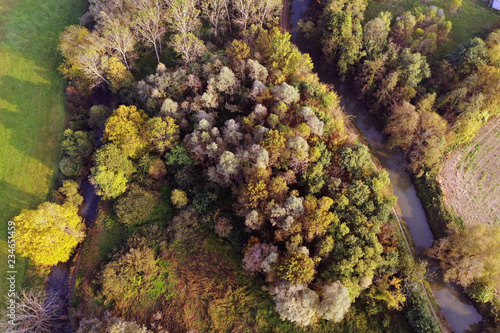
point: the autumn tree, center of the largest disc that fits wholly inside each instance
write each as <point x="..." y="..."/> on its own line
<point x="120" y="39"/>
<point x="36" y="311"/>
<point x="469" y="254"/>
<point x="49" y="233"/>
<point x="190" y="47"/>
<point x="126" y="128"/>
<point x="83" y="53"/>
<point x="376" y="33"/>
<point x="162" y="133"/>
<point x="493" y="47"/>
<point x="182" y="16"/>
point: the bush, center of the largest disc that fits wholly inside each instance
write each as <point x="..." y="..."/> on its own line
<point x="418" y="314"/>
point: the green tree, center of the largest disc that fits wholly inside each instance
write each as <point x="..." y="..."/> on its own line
<point x="77" y="149"/>
<point x="111" y="172"/>
<point x="469" y="56"/>
<point x="48" y="234"/>
<point x="135" y="206"/>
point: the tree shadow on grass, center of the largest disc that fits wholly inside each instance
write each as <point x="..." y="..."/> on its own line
<point x="17" y="200"/>
<point x="34" y="133"/>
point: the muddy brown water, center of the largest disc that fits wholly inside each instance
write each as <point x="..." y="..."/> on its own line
<point x="456" y="306"/>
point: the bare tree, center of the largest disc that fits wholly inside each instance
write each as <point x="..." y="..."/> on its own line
<point x="215" y="11"/>
<point x="188" y="46"/>
<point x="245" y="10"/>
<point x="120" y="39"/>
<point x="266" y="10"/>
<point x="37" y="312"/>
<point x="149" y="23"/>
<point x="182" y="16"/>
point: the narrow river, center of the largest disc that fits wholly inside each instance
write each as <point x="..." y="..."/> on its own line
<point x="457" y="308"/>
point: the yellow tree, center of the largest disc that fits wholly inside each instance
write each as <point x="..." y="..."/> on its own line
<point x="49" y="233"/>
<point x="126" y="128"/>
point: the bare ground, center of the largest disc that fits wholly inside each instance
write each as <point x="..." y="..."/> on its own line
<point x="470" y="177"/>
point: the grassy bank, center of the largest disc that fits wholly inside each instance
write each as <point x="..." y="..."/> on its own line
<point x="31" y="105"/>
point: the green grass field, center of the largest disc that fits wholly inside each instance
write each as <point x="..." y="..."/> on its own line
<point x="473" y="19"/>
<point x="31" y="105"/>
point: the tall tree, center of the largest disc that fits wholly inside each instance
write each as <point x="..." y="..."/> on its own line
<point x="149" y="23"/>
<point x="215" y="11"/>
<point x="83" y="54"/>
<point x="182" y="16"/>
<point x="120" y="39"/>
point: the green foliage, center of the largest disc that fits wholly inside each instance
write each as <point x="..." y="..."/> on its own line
<point x="356" y="160"/>
<point x="112" y="171"/>
<point x="77" y="149"/>
<point x="419" y="315"/>
<point x="469" y="56"/>
<point x="136" y="205"/>
<point x="178" y="156"/>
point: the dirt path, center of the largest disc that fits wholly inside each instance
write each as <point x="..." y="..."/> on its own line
<point x="430" y="305"/>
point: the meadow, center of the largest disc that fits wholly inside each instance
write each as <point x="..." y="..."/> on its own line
<point x="32" y="112"/>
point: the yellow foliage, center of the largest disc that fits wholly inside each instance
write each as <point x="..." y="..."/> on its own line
<point x="117" y="73"/>
<point x="125" y="128"/>
<point x="49" y="233"/>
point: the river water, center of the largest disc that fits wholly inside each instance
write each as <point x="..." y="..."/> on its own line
<point x="456" y="307"/>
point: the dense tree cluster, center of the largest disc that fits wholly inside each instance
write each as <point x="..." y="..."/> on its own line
<point x="251" y="145"/>
<point x="387" y="60"/>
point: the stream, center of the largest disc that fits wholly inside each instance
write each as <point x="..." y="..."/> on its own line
<point x="61" y="279"/>
<point x="457" y="308"/>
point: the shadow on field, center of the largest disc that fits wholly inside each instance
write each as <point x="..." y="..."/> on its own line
<point x="17" y="198"/>
<point x="24" y="129"/>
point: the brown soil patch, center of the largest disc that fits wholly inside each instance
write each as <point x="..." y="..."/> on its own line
<point x="470" y="177"/>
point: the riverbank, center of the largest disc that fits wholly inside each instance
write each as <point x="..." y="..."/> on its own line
<point x="411" y="207"/>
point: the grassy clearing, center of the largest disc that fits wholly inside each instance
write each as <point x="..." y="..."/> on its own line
<point x="469" y="178"/>
<point x="31" y="105"/>
<point x="473" y="19"/>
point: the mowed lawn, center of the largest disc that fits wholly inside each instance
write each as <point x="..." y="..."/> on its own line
<point x="473" y="19"/>
<point x="31" y="105"/>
